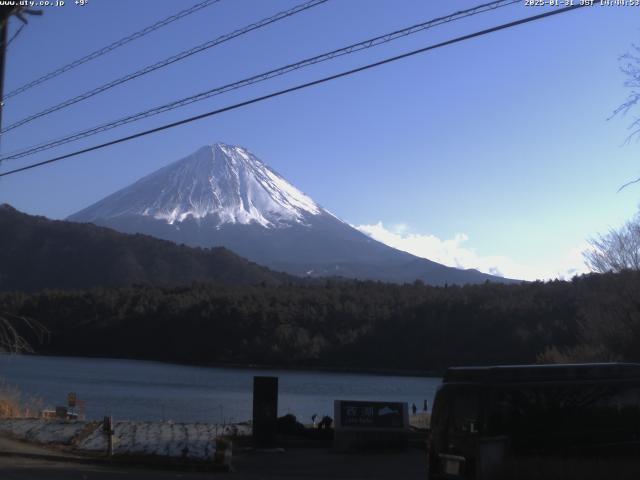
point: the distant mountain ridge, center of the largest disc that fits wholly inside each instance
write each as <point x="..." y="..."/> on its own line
<point x="37" y="253"/>
<point x="223" y="195"/>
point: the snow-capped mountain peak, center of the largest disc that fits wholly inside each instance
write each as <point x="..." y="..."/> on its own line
<point x="225" y="182"/>
<point x="223" y="195"/>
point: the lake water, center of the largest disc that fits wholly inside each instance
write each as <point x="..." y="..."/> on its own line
<point x="142" y="390"/>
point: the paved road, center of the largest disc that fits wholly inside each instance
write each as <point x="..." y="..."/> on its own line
<point x="33" y="462"/>
<point x="291" y="465"/>
<point x="320" y="463"/>
<point x="15" y="468"/>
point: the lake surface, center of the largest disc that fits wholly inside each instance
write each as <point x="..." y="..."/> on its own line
<point x="142" y="390"/>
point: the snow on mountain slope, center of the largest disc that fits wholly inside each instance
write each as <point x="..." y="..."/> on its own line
<point x="223" y="195"/>
<point x="220" y="180"/>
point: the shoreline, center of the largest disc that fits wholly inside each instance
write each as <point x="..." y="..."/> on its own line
<point x="240" y="366"/>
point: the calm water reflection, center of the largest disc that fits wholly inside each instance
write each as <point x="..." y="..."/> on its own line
<point x="131" y="389"/>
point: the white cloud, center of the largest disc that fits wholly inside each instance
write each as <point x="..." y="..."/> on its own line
<point x="455" y="253"/>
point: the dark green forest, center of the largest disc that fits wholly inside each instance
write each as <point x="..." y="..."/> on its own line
<point x="345" y="325"/>
<point x="38" y="253"/>
<point x="153" y="299"/>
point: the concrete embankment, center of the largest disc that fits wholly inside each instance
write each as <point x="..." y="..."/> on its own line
<point x="192" y="441"/>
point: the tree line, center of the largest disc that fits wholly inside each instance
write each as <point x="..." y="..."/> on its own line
<point x="344" y="324"/>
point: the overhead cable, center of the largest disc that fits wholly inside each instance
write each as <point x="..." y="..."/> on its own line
<point x="117" y="44"/>
<point x="285" y="91"/>
<point x="167" y="61"/>
<point x="365" y="44"/>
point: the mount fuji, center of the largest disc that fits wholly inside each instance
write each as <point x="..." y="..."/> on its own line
<point x="223" y="195"/>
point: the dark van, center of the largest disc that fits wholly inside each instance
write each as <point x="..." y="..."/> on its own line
<point x="577" y="421"/>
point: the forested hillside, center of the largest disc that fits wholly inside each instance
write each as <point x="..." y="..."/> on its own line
<point x="37" y="253"/>
<point x="364" y="325"/>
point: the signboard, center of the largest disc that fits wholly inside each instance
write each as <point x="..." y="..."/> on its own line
<point x="71" y="399"/>
<point x="370" y="425"/>
<point x="371" y="414"/>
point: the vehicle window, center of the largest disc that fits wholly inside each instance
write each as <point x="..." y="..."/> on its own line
<point x="587" y="411"/>
<point x="465" y="411"/>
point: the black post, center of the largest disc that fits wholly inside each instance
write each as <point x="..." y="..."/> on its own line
<point x="107" y="427"/>
<point x="4" y="38"/>
<point x="5" y="13"/>
<point x="265" y="410"/>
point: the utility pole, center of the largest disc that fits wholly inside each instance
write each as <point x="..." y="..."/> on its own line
<point x="4" y="38"/>
<point x="5" y="13"/>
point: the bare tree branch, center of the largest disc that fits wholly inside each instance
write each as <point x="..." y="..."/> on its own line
<point x="11" y="339"/>
<point x="630" y="66"/>
<point x="628" y="183"/>
<point x="617" y="250"/>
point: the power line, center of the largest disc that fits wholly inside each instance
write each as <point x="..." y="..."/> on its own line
<point x="15" y="35"/>
<point x="369" y="43"/>
<point x="111" y="47"/>
<point x="299" y="87"/>
<point x="168" y="61"/>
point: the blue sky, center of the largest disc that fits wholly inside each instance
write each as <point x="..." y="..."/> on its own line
<point x="495" y="153"/>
